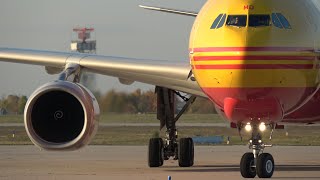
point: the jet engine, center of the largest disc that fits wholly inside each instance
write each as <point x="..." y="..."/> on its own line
<point x="61" y="115"/>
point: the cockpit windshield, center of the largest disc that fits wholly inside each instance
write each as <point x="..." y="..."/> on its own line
<point x="255" y="20"/>
<point x="237" y="20"/>
<point x="259" y="20"/>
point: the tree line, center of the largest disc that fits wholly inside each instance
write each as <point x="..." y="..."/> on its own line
<point x="145" y="102"/>
<point x="13" y="104"/>
<point x="113" y="101"/>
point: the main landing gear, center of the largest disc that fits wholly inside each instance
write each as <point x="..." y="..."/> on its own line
<point x="257" y="162"/>
<point x="161" y="150"/>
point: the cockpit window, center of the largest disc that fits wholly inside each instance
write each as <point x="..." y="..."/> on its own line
<point x="280" y="21"/>
<point x="237" y="20"/>
<point x="255" y="20"/>
<point x="219" y="21"/>
<point x="216" y="21"/>
<point x="222" y="21"/>
<point x="284" y="21"/>
<point x="276" y="22"/>
<point x="259" y="20"/>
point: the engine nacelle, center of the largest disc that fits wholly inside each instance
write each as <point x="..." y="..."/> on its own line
<point x="61" y="115"/>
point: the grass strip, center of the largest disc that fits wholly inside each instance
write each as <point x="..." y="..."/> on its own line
<point x="140" y="135"/>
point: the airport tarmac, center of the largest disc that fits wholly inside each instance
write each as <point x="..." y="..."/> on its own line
<point x="130" y="163"/>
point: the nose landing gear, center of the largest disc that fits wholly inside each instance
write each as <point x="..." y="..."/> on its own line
<point x="257" y="162"/>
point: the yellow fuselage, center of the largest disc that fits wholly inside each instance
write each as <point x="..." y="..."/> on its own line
<point x="254" y="72"/>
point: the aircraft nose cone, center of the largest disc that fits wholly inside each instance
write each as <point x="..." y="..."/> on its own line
<point x="266" y="109"/>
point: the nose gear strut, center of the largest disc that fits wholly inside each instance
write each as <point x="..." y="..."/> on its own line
<point x="257" y="162"/>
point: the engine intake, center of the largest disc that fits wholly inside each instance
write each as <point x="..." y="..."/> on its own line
<point x="61" y="115"/>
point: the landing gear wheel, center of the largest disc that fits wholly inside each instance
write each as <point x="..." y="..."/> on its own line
<point x="155" y="158"/>
<point x="265" y="165"/>
<point x="247" y="168"/>
<point x="186" y="152"/>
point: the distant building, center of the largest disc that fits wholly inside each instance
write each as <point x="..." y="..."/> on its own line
<point x="3" y="112"/>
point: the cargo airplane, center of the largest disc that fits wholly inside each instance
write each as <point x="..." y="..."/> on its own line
<point x="256" y="60"/>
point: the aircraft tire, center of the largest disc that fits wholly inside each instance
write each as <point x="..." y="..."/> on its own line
<point x="265" y="165"/>
<point x="186" y="152"/>
<point x="155" y="154"/>
<point x="246" y="163"/>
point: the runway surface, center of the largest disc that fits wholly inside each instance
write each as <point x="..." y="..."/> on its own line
<point x="130" y="163"/>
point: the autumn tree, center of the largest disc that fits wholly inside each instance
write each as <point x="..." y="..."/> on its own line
<point x="12" y="101"/>
<point x="14" y="104"/>
<point x="202" y="106"/>
<point x="22" y="103"/>
<point x="144" y="102"/>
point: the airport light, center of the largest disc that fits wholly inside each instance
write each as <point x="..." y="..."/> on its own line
<point x="262" y="127"/>
<point x="248" y="127"/>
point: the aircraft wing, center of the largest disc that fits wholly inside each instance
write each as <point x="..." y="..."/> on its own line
<point x="173" y="75"/>
<point x="173" y="11"/>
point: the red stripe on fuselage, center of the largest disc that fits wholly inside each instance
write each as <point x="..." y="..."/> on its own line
<point x="255" y="66"/>
<point x="220" y="58"/>
<point x="226" y="49"/>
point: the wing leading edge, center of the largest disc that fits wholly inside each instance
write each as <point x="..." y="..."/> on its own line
<point x="173" y="11"/>
<point x="173" y="75"/>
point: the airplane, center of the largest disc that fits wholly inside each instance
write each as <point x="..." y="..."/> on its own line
<point x="256" y="60"/>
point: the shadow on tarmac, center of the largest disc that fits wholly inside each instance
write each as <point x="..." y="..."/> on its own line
<point x="236" y="168"/>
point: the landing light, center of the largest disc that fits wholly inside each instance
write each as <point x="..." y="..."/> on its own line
<point x="248" y="127"/>
<point x="262" y="126"/>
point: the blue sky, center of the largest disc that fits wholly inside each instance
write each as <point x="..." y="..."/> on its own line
<point x="122" y="29"/>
